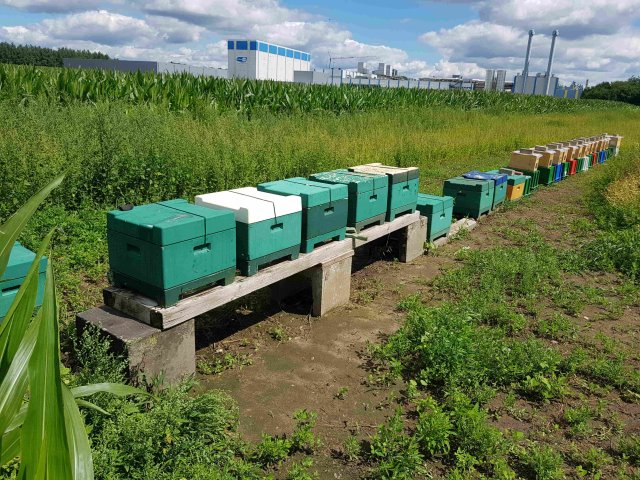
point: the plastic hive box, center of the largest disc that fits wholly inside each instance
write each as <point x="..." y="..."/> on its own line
<point x="471" y="198"/>
<point x="439" y="213"/>
<point x="546" y="175"/>
<point x="20" y="260"/>
<point x="324" y="208"/>
<point x="164" y="250"/>
<point x="499" y="185"/>
<point x="535" y="180"/>
<point x="368" y="196"/>
<point x="268" y="226"/>
<point x="557" y="172"/>
<point x="403" y="187"/>
<point x="515" y="183"/>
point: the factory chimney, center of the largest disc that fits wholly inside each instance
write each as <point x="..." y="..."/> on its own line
<point x="551" y="52"/>
<point x="525" y="72"/>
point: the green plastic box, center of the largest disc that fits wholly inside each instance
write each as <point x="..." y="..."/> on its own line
<point x="268" y="226"/>
<point x="403" y="187"/>
<point x="471" y="198"/>
<point x="20" y="260"/>
<point x="324" y="208"/>
<point x="546" y="175"/>
<point x="535" y="180"/>
<point x="167" y="249"/>
<point x="439" y="213"/>
<point x="368" y="195"/>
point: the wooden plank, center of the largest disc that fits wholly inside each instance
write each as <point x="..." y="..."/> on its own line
<point x="385" y="229"/>
<point x="463" y="224"/>
<point x="148" y="311"/>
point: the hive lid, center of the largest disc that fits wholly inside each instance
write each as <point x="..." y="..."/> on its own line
<point x="356" y="183"/>
<point x="250" y="205"/>
<point x="517" y="179"/>
<point x="469" y="184"/>
<point x="498" y="178"/>
<point x="433" y="203"/>
<point x="396" y="174"/>
<point x="20" y="260"/>
<point x="165" y="223"/>
<point x="312" y="193"/>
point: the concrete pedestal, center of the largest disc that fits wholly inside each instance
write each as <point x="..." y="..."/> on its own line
<point x="413" y="239"/>
<point x="150" y="351"/>
<point x="331" y="284"/>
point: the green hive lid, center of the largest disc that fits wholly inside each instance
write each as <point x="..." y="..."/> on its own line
<point x="312" y="193"/>
<point x="169" y="222"/>
<point x="20" y="260"/>
<point x="396" y="174"/>
<point x="357" y="183"/>
<point x="517" y="179"/>
<point x="469" y="184"/>
<point x="433" y="203"/>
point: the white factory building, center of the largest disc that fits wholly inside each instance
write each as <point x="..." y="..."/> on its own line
<point x="258" y="60"/>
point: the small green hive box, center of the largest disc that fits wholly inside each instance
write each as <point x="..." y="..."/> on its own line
<point x="324" y="208"/>
<point x="20" y="260"/>
<point x="471" y="198"/>
<point x="164" y="250"/>
<point x="368" y="196"/>
<point x="439" y="213"/>
<point x="403" y="187"/>
<point x="268" y="226"/>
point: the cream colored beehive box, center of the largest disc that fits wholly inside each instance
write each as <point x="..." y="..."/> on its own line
<point x="525" y="159"/>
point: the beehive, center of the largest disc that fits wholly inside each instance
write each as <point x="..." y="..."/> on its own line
<point x="368" y="195"/>
<point x="403" y="187"/>
<point x="548" y="156"/>
<point x="324" y="208"/>
<point x="516" y="183"/>
<point x="268" y="226"/>
<point x="439" y="213"/>
<point x="166" y="249"/>
<point x="20" y="260"/>
<point x="499" y="185"/>
<point x="526" y="159"/>
<point x="471" y="198"/>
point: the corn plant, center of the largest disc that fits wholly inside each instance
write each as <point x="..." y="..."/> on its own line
<point x="40" y="422"/>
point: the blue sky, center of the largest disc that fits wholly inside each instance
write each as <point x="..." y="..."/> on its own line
<point x="599" y="39"/>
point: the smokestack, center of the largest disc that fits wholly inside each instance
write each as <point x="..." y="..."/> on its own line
<point x="525" y="72"/>
<point x="553" y="49"/>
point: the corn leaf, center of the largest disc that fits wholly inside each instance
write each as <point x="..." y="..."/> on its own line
<point x="79" y="448"/>
<point x="45" y="447"/>
<point x="112" y="388"/>
<point x="92" y="406"/>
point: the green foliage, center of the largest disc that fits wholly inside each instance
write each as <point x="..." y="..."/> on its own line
<point x="557" y="327"/>
<point x="271" y="450"/>
<point x="579" y="419"/>
<point x="433" y="429"/>
<point x="41" y="56"/>
<point x="181" y="92"/>
<point x="351" y="448"/>
<point x="621" y="91"/>
<point x="543" y="462"/>
<point x="303" y="439"/>
<point x="300" y="471"/>
<point x="629" y="447"/>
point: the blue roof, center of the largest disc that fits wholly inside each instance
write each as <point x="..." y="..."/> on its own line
<point x="268" y="47"/>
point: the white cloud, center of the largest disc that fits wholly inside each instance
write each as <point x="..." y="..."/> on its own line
<point x="51" y="6"/>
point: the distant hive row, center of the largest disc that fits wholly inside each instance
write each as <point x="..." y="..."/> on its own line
<point x="168" y="249"/>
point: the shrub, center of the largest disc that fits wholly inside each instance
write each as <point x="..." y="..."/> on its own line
<point x="543" y="462"/>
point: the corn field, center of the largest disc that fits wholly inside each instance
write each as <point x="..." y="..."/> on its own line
<point x="185" y="92"/>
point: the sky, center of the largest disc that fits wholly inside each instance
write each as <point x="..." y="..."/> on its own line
<point x="599" y="39"/>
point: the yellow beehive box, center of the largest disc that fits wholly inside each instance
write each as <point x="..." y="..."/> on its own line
<point x="525" y="159"/>
<point x="572" y="151"/>
<point x="548" y="156"/>
<point x="615" y="141"/>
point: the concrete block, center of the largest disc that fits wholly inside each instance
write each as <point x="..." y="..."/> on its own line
<point x="413" y="239"/>
<point x="331" y="285"/>
<point x="153" y="352"/>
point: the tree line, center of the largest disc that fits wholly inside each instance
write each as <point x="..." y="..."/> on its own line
<point x="41" y="56"/>
<point x="622" y="91"/>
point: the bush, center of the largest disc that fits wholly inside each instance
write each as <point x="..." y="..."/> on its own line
<point x="543" y="462"/>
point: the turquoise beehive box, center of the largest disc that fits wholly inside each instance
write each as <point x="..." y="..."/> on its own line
<point x="439" y="213"/>
<point x="324" y="208"/>
<point x="268" y="226"/>
<point x="368" y="196"/>
<point x="20" y="261"/>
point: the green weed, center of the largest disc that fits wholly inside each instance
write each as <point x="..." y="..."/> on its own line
<point x="543" y="462"/>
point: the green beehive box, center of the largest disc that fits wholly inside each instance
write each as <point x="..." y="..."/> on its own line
<point x="546" y="175"/>
<point x="368" y="195"/>
<point x="471" y="198"/>
<point x="20" y="260"/>
<point x="166" y="249"/>
<point x="268" y="226"/>
<point x="439" y="213"/>
<point x="324" y="208"/>
<point x="535" y="180"/>
<point x="403" y="187"/>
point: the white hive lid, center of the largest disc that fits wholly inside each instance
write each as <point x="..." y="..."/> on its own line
<point x="250" y="205"/>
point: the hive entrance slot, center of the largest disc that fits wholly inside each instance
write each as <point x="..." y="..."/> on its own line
<point x="10" y="290"/>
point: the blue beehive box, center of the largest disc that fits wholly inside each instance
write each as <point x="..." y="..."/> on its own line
<point x="20" y="261"/>
<point x="499" y="185"/>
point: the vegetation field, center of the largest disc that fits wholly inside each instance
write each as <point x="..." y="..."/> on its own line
<point x="505" y="325"/>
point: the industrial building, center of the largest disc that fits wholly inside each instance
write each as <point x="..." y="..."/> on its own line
<point x="258" y="60"/>
<point x="133" y="66"/>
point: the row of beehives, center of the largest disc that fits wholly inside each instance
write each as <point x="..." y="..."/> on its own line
<point x="166" y="249"/>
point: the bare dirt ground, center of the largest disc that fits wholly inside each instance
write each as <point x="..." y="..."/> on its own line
<point x="276" y="360"/>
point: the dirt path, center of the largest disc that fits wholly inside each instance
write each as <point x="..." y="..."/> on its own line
<point x="320" y="364"/>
